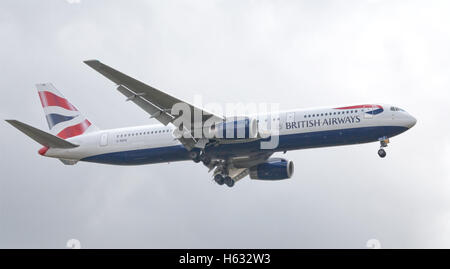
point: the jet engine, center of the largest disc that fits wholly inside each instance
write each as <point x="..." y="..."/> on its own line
<point x="273" y="169"/>
<point x="244" y="128"/>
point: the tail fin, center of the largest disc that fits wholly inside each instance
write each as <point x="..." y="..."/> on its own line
<point x="63" y="119"/>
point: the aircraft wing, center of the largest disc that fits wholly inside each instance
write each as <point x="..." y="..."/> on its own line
<point x="155" y="102"/>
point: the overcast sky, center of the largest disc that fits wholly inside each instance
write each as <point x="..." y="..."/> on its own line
<point x="295" y="53"/>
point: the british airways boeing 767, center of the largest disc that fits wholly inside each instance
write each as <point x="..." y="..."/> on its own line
<point x="231" y="147"/>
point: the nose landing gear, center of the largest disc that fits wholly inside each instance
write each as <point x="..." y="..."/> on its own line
<point x="383" y="143"/>
<point x="382" y="153"/>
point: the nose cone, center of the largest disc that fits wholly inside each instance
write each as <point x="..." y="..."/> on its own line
<point x="411" y="121"/>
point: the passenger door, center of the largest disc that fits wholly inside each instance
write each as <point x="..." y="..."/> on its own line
<point x="104" y="140"/>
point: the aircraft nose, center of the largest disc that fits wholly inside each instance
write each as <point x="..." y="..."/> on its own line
<point x="411" y="121"/>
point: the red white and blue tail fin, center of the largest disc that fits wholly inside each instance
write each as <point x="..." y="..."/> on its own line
<point x="63" y="119"/>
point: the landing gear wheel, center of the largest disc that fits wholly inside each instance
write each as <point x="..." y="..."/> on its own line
<point x="229" y="181"/>
<point x="219" y="179"/>
<point x="382" y="153"/>
<point x="195" y="156"/>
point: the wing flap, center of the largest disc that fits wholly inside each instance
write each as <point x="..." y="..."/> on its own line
<point x="155" y="112"/>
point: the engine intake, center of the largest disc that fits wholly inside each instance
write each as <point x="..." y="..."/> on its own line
<point x="273" y="169"/>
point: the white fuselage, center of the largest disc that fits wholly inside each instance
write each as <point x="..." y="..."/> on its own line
<point x="297" y="129"/>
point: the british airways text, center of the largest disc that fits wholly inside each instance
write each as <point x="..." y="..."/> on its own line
<point x="322" y="122"/>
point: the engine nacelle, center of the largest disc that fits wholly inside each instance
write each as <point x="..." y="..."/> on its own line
<point x="244" y="128"/>
<point x="273" y="169"/>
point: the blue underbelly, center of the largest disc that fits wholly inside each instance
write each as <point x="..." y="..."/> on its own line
<point x="142" y="156"/>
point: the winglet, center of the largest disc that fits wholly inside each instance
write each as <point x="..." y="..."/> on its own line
<point x="43" y="138"/>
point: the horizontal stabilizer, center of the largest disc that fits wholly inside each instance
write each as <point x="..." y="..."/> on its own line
<point x="40" y="136"/>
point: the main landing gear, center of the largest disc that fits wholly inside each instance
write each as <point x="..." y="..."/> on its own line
<point x="222" y="179"/>
<point x="221" y="176"/>
<point x="383" y="143"/>
<point x="200" y="156"/>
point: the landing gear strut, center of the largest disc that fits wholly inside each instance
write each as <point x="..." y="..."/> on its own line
<point x="205" y="159"/>
<point x="383" y="143"/>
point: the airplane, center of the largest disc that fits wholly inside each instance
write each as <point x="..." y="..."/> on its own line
<point x="229" y="146"/>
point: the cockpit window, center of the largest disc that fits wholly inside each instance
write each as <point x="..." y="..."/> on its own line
<point x="393" y="108"/>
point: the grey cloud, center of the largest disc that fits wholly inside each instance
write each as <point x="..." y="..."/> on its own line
<point x="296" y="53"/>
